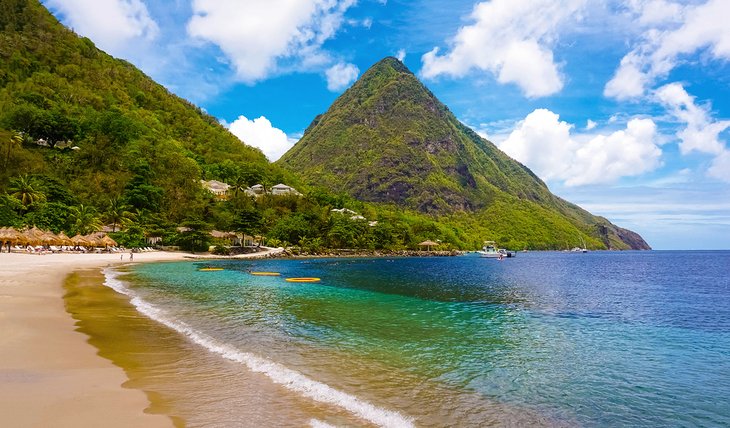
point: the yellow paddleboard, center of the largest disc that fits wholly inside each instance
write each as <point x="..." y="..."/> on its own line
<point x="265" y="273"/>
<point x="303" y="279"/>
<point x="209" y="269"/>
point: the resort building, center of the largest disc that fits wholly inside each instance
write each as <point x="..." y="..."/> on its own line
<point x="217" y="188"/>
<point x="283" y="189"/>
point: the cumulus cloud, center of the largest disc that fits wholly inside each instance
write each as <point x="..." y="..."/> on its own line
<point x="340" y="75"/>
<point x="401" y="55"/>
<point x="590" y="125"/>
<point x="260" y="133"/>
<point x="547" y="145"/>
<point x="701" y="132"/>
<point x="111" y="24"/>
<point x="257" y="35"/>
<point x="671" y="31"/>
<point x="511" y="39"/>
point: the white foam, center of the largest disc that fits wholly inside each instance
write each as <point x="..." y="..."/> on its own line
<point x="282" y="375"/>
<point x="316" y="423"/>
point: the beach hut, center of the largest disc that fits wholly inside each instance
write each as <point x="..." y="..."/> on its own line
<point x="428" y="244"/>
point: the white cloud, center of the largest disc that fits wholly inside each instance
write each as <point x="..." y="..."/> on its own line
<point x="512" y="40"/>
<point x="340" y="75"/>
<point x="590" y="125"/>
<point x="260" y="133"/>
<point x="546" y="145"/>
<point x="672" y="30"/>
<point x="401" y="55"/>
<point x="720" y="167"/>
<point x="111" y="24"/>
<point x="257" y="35"/>
<point x="702" y="132"/>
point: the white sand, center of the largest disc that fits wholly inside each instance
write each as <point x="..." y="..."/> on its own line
<point x="49" y="374"/>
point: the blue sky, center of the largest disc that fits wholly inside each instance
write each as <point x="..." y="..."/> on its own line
<point x="622" y="107"/>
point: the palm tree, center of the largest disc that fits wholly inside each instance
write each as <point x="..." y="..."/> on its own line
<point x="118" y="213"/>
<point x="15" y="140"/>
<point x="239" y="186"/>
<point x="84" y="219"/>
<point x="25" y="189"/>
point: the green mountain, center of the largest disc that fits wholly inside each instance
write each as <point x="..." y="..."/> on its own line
<point x="132" y="139"/>
<point x="388" y="139"/>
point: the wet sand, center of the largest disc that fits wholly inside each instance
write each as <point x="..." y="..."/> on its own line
<point x="49" y="374"/>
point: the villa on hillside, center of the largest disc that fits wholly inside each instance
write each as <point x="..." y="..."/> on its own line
<point x="283" y="189"/>
<point x="256" y="190"/>
<point x="221" y="190"/>
<point x="217" y="188"/>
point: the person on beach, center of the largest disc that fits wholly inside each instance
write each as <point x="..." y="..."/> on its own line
<point x="131" y="256"/>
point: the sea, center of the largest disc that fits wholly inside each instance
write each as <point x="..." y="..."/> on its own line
<point x="634" y="338"/>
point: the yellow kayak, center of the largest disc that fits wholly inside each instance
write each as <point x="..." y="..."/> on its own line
<point x="265" y="273"/>
<point x="210" y="269"/>
<point x="303" y="279"/>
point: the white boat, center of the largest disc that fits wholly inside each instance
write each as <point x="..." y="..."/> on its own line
<point x="580" y="249"/>
<point x="490" y="250"/>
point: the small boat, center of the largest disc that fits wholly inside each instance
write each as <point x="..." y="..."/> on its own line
<point x="210" y="269"/>
<point x="302" y="280"/>
<point x="491" y="251"/>
<point x="265" y="273"/>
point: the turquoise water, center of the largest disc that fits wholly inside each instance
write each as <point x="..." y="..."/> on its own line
<point x="597" y="339"/>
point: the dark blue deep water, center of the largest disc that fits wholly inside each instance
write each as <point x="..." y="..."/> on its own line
<point x="597" y="339"/>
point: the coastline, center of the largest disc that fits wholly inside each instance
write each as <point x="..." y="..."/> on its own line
<point x="49" y="374"/>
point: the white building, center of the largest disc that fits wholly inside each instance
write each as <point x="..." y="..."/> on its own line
<point x="283" y="189"/>
<point x="218" y="188"/>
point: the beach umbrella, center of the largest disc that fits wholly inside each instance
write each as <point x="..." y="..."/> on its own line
<point x="33" y="236"/>
<point x="93" y="239"/>
<point x="80" y="240"/>
<point x="14" y="236"/>
<point x="64" y="239"/>
<point x="108" y="242"/>
<point x="50" y="238"/>
<point x="428" y="244"/>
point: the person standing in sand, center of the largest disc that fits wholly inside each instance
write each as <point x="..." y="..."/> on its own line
<point x="131" y="256"/>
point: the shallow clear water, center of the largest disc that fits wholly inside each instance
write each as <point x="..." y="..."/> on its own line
<point x="597" y="339"/>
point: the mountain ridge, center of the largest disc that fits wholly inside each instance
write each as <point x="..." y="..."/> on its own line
<point x="388" y="139"/>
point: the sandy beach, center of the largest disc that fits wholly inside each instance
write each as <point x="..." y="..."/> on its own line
<point x="49" y="374"/>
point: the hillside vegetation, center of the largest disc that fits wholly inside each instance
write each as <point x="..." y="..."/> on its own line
<point x="388" y="139"/>
<point x="87" y="140"/>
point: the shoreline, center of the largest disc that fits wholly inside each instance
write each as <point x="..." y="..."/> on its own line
<point x="50" y="375"/>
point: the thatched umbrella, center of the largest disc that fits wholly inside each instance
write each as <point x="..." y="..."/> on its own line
<point x="14" y="236"/>
<point x="107" y="241"/>
<point x="80" y="240"/>
<point x="94" y="240"/>
<point x="64" y="239"/>
<point x="428" y="244"/>
<point x="33" y="236"/>
<point x="5" y="236"/>
<point x="50" y="238"/>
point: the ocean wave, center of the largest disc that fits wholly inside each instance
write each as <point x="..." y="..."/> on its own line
<point x="278" y="373"/>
